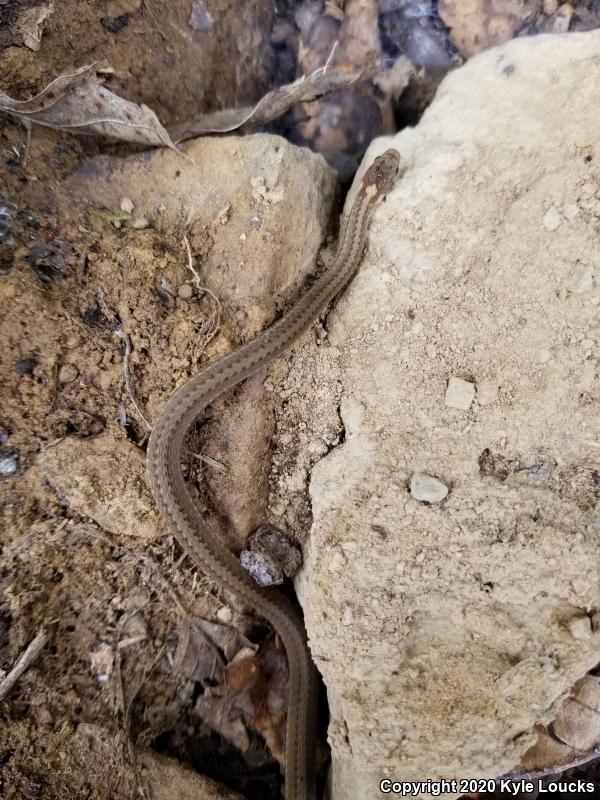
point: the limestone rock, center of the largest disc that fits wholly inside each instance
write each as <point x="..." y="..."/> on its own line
<point x="457" y="607"/>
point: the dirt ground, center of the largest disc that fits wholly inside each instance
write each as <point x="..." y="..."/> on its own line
<point x="88" y="717"/>
<point x="113" y="605"/>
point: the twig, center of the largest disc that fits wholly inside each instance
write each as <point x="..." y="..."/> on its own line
<point x="128" y="386"/>
<point x="330" y="56"/>
<point x="210" y="461"/>
<point x="215" y="323"/>
<point x="24" y="661"/>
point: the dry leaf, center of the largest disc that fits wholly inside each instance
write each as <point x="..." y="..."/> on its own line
<point x="30" y="24"/>
<point x="321" y="82"/>
<point x="253" y="695"/>
<point x="204" y="647"/>
<point x="476" y="25"/>
<point x="78" y="103"/>
<point x="572" y="738"/>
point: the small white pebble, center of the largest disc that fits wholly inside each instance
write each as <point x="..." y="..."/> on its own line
<point x="67" y="373"/>
<point x="139" y="223"/>
<point x="427" y="489"/>
<point x="580" y="627"/>
<point x="225" y="615"/>
<point x="430" y="350"/>
<point x="223" y="214"/>
<point x="127" y="205"/>
<point x="243" y="237"/>
<point x="552" y="219"/>
<point x="347" y="617"/>
<point x="459" y="394"/>
<point x="8" y="465"/>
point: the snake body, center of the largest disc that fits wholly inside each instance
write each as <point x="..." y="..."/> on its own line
<point x="177" y="507"/>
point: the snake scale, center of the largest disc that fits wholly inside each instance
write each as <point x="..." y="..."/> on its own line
<point x="176" y="504"/>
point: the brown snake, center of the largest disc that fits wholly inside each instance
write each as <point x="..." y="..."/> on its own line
<point x="177" y="506"/>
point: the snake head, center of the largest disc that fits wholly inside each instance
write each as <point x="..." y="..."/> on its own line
<point x="379" y="178"/>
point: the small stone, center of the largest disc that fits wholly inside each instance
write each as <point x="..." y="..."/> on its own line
<point x="67" y="374"/>
<point x="223" y="214"/>
<point x="139" y="223"/>
<point x="263" y="570"/>
<point x="580" y="627"/>
<point x="105" y="380"/>
<point x="200" y="19"/>
<point x="126" y="205"/>
<point x="8" y="465"/>
<point x="552" y="219"/>
<point x="427" y="489"/>
<point x="459" y="394"/>
<point x="276" y="548"/>
<point x="430" y="350"/>
<point x="186" y="291"/>
<point x="225" y="615"/>
<point x="25" y="366"/>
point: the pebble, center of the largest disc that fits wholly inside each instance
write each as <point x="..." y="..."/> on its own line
<point x="262" y="569"/>
<point x="223" y="214"/>
<point x="427" y="489"/>
<point x="8" y="465"/>
<point x="459" y="394"/>
<point x="430" y="350"/>
<point x="67" y="373"/>
<point x="139" y="223"/>
<point x="126" y="205"/>
<point x="552" y="219"/>
<point x="105" y="380"/>
<point x="186" y="291"/>
<point x="225" y="615"/>
<point x="580" y="627"/>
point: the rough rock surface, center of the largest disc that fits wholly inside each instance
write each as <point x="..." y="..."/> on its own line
<point x="444" y="632"/>
<point x="256" y="211"/>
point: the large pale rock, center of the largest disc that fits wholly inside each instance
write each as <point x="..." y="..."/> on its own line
<point x="255" y="210"/>
<point x="444" y="632"/>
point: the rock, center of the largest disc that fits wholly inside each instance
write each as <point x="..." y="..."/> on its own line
<point x="186" y="291"/>
<point x="67" y="373"/>
<point x="459" y="394"/>
<point x="139" y="223"/>
<point x="457" y="607"/>
<point x="427" y="489"/>
<point x="254" y="277"/>
<point x="126" y="205"/>
<point x="263" y="568"/>
<point x="103" y="479"/>
<point x="552" y="219"/>
<point x="8" y="466"/>
<point x="225" y="615"/>
<point x="580" y="627"/>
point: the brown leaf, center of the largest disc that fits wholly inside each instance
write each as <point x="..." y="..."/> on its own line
<point x="78" y="103"/>
<point x="254" y="695"/>
<point x="205" y="647"/>
<point x="322" y="81"/>
<point x="574" y="734"/>
<point x="476" y="25"/>
<point x="30" y="24"/>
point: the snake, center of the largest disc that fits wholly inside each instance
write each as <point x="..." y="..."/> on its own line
<point x="178" y="509"/>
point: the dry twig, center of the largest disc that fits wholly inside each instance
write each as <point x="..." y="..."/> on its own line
<point x="126" y="374"/>
<point x="24" y="661"/>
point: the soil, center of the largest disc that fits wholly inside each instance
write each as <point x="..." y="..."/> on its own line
<point x="110" y="592"/>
